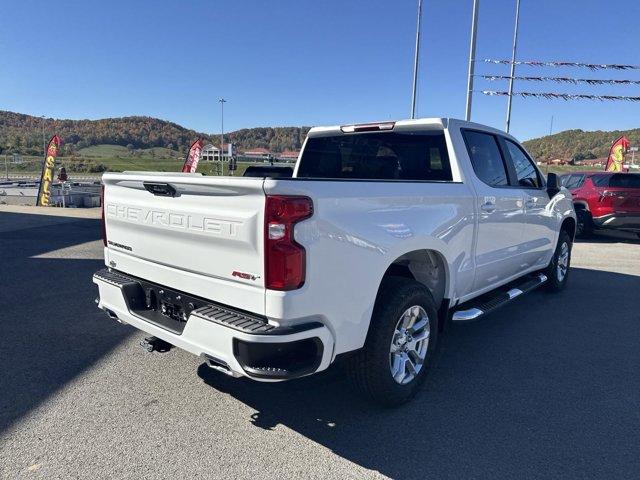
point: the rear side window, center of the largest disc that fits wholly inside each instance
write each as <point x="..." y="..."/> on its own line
<point x="486" y="158"/>
<point x="525" y="171"/>
<point x="377" y="156"/>
<point x="618" y="180"/>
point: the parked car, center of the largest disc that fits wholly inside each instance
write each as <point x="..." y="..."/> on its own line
<point x="385" y="232"/>
<point x="605" y="200"/>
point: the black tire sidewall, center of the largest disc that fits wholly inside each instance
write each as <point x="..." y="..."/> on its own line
<point x="585" y="226"/>
<point x="396" y="296"/>
<point x="553" y="283"/>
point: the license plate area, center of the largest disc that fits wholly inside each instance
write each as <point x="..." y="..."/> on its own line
<point x="159" y="305"/>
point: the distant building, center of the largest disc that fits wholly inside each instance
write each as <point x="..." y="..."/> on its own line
<point x="591" y="162"/>
<point x="211" y="153"/>
<point x="289" y="155"/>
<point x="258" y="153"/>
<point x="558" y="161"/>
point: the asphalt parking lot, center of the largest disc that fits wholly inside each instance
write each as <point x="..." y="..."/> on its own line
<point x="547" y="387"/>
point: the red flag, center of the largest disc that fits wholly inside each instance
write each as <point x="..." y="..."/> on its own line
<point x="193" y="157"/>
<point x="616" y="155"/>
<point x="44" y="191"/>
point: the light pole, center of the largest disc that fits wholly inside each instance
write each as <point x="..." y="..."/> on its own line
<point x="415" y="62"/>
<point x="44" y="142"/>
<point x="472" y="58"/>
<point x="513" y="65"/>
<point x="222" y="102"/>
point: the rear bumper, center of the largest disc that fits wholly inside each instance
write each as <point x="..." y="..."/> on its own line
<point x="621" y="221"/>
<point x="234" y="342"/>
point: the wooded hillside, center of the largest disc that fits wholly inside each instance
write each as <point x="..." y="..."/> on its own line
<point x="20" y="133"/>
<point x="577" y="144"/>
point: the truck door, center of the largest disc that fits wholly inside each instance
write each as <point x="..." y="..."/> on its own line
<point x="540" y="224"/>
<point x="500" y="210"/>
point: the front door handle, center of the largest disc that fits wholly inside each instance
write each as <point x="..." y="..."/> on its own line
<point x="531" y="203"/>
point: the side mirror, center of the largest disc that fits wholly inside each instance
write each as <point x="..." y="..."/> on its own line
<point x="553" y="184"/>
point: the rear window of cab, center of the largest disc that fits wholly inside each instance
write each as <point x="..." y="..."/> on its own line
<point x="617" y="180"/>
<point x="377" y="156"/>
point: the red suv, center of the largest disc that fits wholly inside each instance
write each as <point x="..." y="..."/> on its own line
<point x="605" y="200"/>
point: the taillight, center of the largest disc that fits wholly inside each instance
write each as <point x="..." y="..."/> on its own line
<point x="104" y="226"/>
<point x="284" y="258"/>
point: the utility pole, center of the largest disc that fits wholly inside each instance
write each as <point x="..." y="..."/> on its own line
<point x="513" y="66"/>
<point x="551" y="126"/>
<point x="472" y="58"/>
<point x="222" y="102"/>
<point x="415" y="62"/>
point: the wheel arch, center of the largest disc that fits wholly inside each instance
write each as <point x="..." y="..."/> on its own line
<point x="580" y="204"/>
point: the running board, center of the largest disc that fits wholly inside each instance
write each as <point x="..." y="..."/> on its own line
<point x="501" y="298"/>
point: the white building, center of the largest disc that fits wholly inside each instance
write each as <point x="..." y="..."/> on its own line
<point x="211" y="153"/>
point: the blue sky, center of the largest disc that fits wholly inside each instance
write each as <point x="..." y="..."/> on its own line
<point x="286" y="62"/>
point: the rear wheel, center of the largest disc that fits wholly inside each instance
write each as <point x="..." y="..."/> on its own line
<point x="558" y="270"/>
<point x="401" y="340"/>
<point x="585" y="223"/>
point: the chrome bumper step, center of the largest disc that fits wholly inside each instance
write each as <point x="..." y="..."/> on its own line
<point x="473" y="310"/>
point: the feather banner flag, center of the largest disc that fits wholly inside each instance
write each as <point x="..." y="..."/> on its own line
<point x="590" y="66"/>
<point x="562" y="96"/>
<point x="193" y="157"/>
<point x="615" y="161"/>
<point x="44" y="191"/>
<point x="575" y="81"/>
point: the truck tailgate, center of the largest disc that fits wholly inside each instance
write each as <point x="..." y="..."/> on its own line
<point x="210" y="227"/>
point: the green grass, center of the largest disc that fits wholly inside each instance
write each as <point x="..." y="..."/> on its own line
<point x="103" y="151"/>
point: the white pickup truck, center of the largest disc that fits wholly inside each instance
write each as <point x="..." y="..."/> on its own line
<point x="383" y="234"/>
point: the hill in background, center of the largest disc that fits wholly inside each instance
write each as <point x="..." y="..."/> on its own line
<point x="20" y="133"/>
<point x="111" y="137"/>
<point x="577" y="144"/>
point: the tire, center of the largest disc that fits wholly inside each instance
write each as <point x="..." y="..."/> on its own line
<point x="371" y="368"/>
<point x="558" y="270"/>
<point x="584" y="228"/>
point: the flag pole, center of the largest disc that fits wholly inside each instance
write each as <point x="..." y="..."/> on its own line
<point x="513" y="66"/>
<point x="472" y="58"/>
<point x="415" y="62"/>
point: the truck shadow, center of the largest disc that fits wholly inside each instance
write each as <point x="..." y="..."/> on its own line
<point x="546" y="387"/>
<point x="50" y="330"/>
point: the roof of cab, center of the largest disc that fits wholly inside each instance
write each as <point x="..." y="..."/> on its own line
<point x="408" y="124"/>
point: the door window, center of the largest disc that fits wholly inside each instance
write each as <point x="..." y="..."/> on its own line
<point x="526" y="172"/>
<point x="486" y="158"/>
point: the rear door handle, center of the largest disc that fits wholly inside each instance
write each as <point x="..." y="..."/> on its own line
<point x="532" y="202"/>
<point x="488" y="207"/>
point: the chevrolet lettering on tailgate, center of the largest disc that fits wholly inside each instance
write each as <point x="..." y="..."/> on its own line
<point x="166" y="219"/>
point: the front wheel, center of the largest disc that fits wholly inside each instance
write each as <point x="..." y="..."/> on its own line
<point x="558" y="270"/>
<point x="400" y="343"/>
